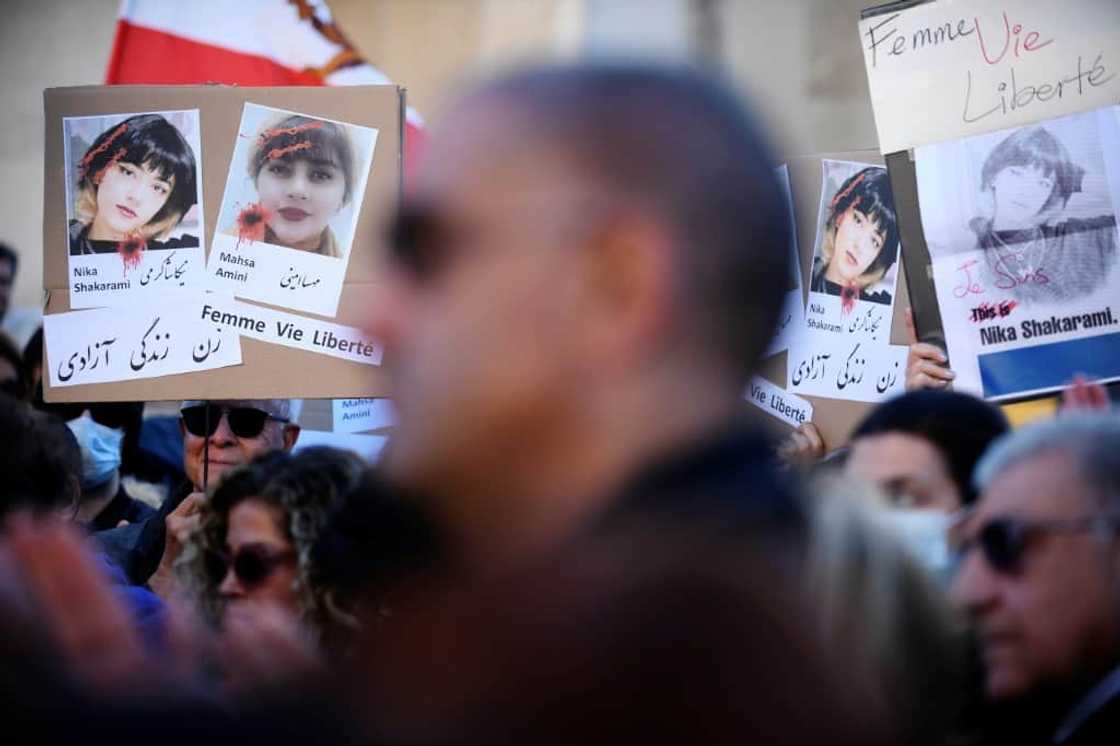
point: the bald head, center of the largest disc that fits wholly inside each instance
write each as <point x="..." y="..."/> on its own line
<point x="677" y="145"/>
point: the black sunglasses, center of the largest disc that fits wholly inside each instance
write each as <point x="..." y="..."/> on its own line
<point x="252" y="564"/>
<point x="245" y="422"/>
<point x="419" y="240"/>
<point x="1004" y="541"/>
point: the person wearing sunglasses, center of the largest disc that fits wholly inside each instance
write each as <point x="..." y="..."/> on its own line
<point x="256" y="534"/>
<point x="217" y="436"/>
<point x="1039" y="578"/>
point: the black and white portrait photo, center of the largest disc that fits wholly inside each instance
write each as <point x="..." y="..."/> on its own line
<point x="1037" y="202"/>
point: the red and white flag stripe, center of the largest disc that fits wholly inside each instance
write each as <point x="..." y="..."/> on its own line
<point x="248" y="42"/>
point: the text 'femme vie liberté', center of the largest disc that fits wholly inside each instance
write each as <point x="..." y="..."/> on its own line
<point x="289" y="329"/>
<point x="994" y="43"/>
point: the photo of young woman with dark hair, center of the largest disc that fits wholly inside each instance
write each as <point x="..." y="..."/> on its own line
<point x="303" y="171"/>
<point x="134" y="183"/>
<point x="1032" y="247"/>
<point x="858" y="244"/>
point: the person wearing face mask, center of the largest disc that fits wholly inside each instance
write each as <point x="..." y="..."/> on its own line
<point x="104" y="502"/>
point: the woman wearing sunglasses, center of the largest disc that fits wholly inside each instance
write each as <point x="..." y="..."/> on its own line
<point x="253" y="546"/>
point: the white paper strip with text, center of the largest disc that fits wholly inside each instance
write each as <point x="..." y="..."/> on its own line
<point x="109" y="344"/>
<point x="291" y="330"/>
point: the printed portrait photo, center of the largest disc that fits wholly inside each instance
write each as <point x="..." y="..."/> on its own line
<point x="1036" y="201"/>
<point x="856" y="251"/>
<point x="133" y="182"/>
<point x="296" y="181"/>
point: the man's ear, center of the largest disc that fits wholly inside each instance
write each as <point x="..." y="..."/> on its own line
<point x="290" y="435"/>
<point x="631" y="281"/>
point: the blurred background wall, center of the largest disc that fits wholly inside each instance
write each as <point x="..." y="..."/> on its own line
<point x="798" y="60"/>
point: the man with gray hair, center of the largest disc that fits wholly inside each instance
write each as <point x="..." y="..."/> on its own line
<point x="218" y="436"/>
<point x="1043" y="586"/>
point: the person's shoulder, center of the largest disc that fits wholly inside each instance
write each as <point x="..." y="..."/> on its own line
<point x="879" y="296"/>
<point x="185" y="241"/>
<point x="75" y="233"/>
<point x="1080" y="225"/>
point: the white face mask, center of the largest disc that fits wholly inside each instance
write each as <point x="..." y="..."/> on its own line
<point x="101" y="450"/>
<point x="926" y="534"/>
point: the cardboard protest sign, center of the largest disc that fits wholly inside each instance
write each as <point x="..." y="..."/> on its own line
<point x="844" y="352"/>
<point x="1005" y="178"/>
<point x="1022" y="234"/>
<point x="286" y="352"/>
<point x="953" y="68"/>
<point x="834" y="417"/>
<point x="793" y="307"/>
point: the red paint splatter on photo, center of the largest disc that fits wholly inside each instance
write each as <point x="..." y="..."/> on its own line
<point x="112" y="162"/>
<point x="281" y="152"/>
<point x="132" y="250"/>
<point x="849" y="294"/>
<point x="846" y="191"/>
<point x="91" y="154"/>
<point x="277" y="131"/>
<point x="251" y="223"/>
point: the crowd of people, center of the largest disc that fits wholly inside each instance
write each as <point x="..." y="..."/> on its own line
<point x="577" y="531"/>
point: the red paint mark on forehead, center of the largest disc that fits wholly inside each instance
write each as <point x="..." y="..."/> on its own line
<point x="97" y="177"/>
<point x="269" y="134"/>
<point x="847" y="190"/>
<point x="281" y="152"/>
<point x="94" y="152"/>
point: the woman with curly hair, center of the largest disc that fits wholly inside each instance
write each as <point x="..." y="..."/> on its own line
<point x="257" y="532"/>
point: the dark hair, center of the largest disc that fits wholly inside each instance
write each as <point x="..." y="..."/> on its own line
<point x="8" y="253"/>
<point x="960" y="426"/>
<point x="152" y="141"/>
<point x="300" y="138"/>
<point x="869" y="191"/>
<point x="306" y="486"/>
<point x="679" y="143"/>
<point x="1035" y="146"/>
<point x="40" y="461"/>
<point x="9" y="352"/>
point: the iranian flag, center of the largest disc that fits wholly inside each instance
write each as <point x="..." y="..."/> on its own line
<point x="246" y="42"/>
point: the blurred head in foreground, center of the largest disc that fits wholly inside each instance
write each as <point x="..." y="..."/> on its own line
<point x="1040" y="568"/>
<point x="584" y="245"/>
<point x="636" y="637"/>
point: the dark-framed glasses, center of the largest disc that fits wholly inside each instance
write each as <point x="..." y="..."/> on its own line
<point x="1004" y="541"/>
<point x="245" y="422"/>
<point x="252" y="564"/>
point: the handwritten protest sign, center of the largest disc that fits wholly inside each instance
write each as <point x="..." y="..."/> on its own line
<point x="944" y="70"/>
<point x="105" y="345"/>
<point x="1022" y="233"/>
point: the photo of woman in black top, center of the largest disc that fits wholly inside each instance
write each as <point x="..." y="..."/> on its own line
<point x="135" y="183"/>
<point x="1032" y="248"/>
<point x="859" y="243"/>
